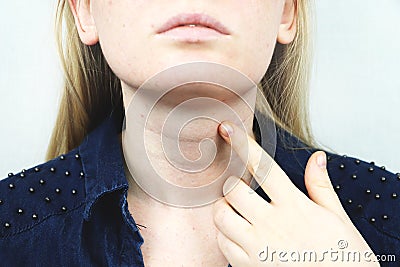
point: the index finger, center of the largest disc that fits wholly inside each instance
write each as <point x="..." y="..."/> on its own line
<point x="268" y="174"/>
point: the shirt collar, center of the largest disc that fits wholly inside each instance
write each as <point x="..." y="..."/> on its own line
<point x="102" y="161"/>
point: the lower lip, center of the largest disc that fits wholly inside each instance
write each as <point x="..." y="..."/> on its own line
<point x="192" y="34"/>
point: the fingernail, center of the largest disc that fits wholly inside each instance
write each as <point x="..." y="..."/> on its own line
<point x="321" y="160"/>
<point x="226" y="130"/>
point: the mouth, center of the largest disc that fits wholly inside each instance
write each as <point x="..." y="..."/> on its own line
<point x="193" y="27"/>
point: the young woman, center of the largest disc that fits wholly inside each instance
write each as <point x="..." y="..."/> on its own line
<point x="85" y="208"/>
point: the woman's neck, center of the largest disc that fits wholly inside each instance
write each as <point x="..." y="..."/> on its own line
<point x="180" y="135"/>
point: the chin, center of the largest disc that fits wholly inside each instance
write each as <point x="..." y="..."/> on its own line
<point x="142" y="70"/>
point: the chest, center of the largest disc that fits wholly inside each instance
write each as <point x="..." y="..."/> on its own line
<point x="178" y="237"/>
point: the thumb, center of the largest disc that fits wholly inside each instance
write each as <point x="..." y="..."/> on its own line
<point x="319" y="186"/>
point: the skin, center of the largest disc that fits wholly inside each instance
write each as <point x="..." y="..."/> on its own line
<point x="127" y="30"/>
<point x="241" y="238"/>
<point x="214" y="235"/>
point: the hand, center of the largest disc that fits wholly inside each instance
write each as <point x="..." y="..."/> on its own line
<point x="251" y="229"/>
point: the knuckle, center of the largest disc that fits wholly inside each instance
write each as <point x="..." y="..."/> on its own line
<point x="323" y="183"/>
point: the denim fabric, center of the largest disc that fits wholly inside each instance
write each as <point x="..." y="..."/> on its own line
<point x="73" y="211"/>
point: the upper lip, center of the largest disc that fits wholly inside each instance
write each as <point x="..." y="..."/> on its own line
<point x="193" y="18"/>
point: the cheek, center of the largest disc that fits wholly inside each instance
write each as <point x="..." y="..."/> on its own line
<point x="258" y="38"/>
<point x="122" y="37"/>
<point x="259" y="50"/>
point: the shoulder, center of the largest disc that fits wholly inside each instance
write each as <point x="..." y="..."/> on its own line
<point x="370" y="196"/>
<point x="368" y="191"/>
<point x="34" y="195"/>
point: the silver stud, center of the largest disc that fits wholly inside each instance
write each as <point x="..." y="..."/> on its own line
<point x="42" y="182"/>
<point x="37" y="169"/>
<point x="357" y="161"/>
<point x="383" y="168"/>
<point x="354" y="176"/>
<point x="328" y="158"/>
<point x="341" y="166"/>
<point x="58" y="190"/>
<point x="383" y="178"/>
<point x="7" y="225"/>
<point x="370" y="169"/>
<point x="368" y="191"/>
<point x="349" y="201"/>
<point x="52" y="169"/>
<point x="344" y="156"/>
<point x="63" y="208"/>
<point x="62" y="157"/>
<point x="20" y="211"/>
<point x="359" y="206"/>
<point x="1" y="202"/>
<point x="67" y="173"/>
<point x="47" y="199"/>
<point x="372" y="220"/>
<point x="394" y="195"/>
<point x="77" y="156"/>
<point x="31" y="190"/>
<point x="11" y="186"/>
<point x="385" y="217"/>
<point x="23" y="171"/>
<point x="372" y="162"/>
<point x="398" y="175"/>
<point x="377" y="196"/>
<point x="10" y="174"/>
<point x="337" y="187"/>
<point x="22" y="175"/>
<point x="34" y="216"/>
<point x="82" y="174"/>
<point x="73" y="191"/>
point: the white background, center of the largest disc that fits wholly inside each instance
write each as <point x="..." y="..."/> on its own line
<point x="355" y="96"/>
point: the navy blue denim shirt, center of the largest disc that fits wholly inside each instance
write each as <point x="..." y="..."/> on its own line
<point x="73" y="211"/>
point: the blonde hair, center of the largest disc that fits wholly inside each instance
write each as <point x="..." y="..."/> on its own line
<point x="92" y="90"/>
